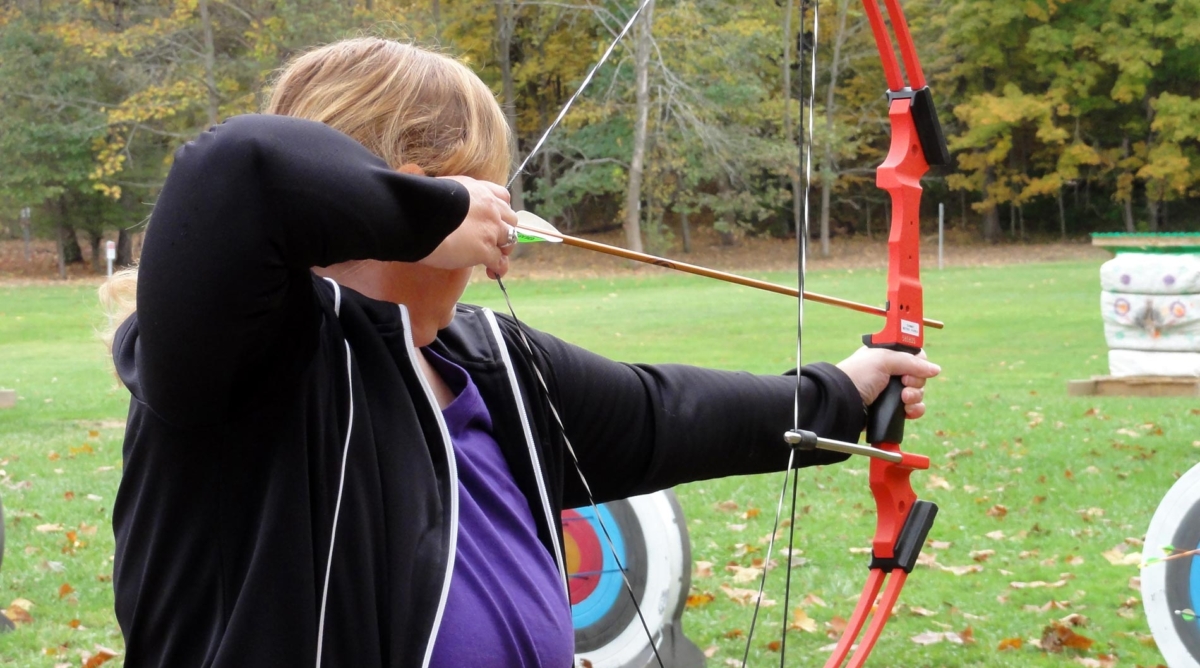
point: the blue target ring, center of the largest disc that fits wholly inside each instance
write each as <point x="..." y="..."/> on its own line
<point x="593" y="608"/>
<point x="1195" y="587"/>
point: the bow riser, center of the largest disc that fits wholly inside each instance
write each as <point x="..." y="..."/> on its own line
<point x="900" y="175"/>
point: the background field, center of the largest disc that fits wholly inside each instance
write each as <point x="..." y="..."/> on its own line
<point x="1065" y="480"/>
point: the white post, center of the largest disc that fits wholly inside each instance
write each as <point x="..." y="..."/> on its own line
<point x="110" y="250"/>
<point x="25" y="230"/>
<point x="941" y="231"/>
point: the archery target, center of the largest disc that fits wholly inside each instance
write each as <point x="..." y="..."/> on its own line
<point x="1169" y="587"/>
<point x="649" y="538"/>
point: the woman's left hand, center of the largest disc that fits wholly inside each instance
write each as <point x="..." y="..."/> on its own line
<point x="872" y="368"/>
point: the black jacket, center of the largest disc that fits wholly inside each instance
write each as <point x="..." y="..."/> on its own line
<point x="267" y="402"/>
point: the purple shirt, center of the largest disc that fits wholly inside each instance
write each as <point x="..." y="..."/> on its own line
<point x="506" y="606"/>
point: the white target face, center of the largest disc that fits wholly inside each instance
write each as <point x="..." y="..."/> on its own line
<point x="1171" y="587"/>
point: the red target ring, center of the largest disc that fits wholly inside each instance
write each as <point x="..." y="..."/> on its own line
<point x="585" y="558"/>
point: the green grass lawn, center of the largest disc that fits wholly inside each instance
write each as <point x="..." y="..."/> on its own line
<point x="1033" y="485"/>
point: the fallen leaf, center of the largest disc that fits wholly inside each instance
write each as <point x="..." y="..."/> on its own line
<point x="102" y="655"/>
<point x="998" y="511"/>
<point x="1074" y="619"/>
<point x="995" y="535"/>
<point x="1038" y="584"/>
<point x="743" y="575"/>
<point x="933" y="637"/>
<point x="48" y="528"/>
<point x="697" y="600"/>
<point x="65" y="589"/>
<point x="802" y="622"/>
<point x="745" y="596"/>
<point x="1058" y="636"/>
<point x="933" y="481"/>
<point x="981" y="555"/>
<point x="1010" y="643"/>
<point x="813" y="599"/>
<point x="963" y="570"/>
<point x="727" y="505"/>
<point x="704" y="569"/>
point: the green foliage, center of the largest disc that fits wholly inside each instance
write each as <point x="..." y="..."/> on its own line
<point x="1077" y="115"/>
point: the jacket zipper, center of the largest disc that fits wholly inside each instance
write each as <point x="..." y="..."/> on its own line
<point x="533" y="455"/>
<point x="453" y="468"/>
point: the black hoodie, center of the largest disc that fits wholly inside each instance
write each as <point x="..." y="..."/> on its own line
<point x="268" y="403"/>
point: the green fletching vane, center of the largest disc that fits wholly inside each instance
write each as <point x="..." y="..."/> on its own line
<point x="530" y="226"/>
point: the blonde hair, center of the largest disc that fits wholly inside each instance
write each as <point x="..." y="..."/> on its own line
<point x="406" y="104"/>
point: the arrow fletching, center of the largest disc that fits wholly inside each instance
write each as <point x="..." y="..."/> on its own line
<point x="531" y="228"/>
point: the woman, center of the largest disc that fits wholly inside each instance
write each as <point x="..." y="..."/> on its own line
<point x="342" y="466"/>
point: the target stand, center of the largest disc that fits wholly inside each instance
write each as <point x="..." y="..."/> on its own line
<point x="650" y="539"/>
<point x="1171" y="586"/>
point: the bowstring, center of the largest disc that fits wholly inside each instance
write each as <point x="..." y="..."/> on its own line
<point x="812" y="90"/>
<point x="529" y="347"/>
<point x="805" y="159"/>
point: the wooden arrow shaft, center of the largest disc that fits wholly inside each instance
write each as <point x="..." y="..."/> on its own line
<point x="719" y="275"/>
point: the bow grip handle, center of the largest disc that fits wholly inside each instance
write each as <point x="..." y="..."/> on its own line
<point x="885" y="415"/>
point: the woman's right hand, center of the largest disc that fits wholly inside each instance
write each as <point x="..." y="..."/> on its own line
<point x="482" y="237"/>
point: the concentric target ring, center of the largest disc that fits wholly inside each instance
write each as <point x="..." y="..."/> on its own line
<point x="649" y="538"/>
<point x="1171" y="586"/>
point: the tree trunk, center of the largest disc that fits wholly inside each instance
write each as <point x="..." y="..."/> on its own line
<point x="685" y="231"/>
<point x="124" y="248"/>
<point x="210" y="66"/>
<point x="828" y="173"/>
<point x="991" y="217"/>
<point x="506" y="19"/>
<point x="61" y="246"/>
<point x="1062" y="216"/>
<point x="633" y="195"/>
<point x="1021" y="221"/>
<point x="867" y="206"/>
<point x="1152" y="207"/>
<point x="1127" y="203"/>
<point x="94" y="240"/>
<point x="789" y="38"/>
<point x="729" y="221"/>
<point x="962" y="203"/>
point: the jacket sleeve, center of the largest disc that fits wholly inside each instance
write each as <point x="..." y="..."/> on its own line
<point x="247" y="209"/>
<point x="641" y="428"/>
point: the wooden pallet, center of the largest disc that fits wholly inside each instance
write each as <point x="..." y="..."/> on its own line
<point x="1135" y="386"/>
<point x="8" y="398"/>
